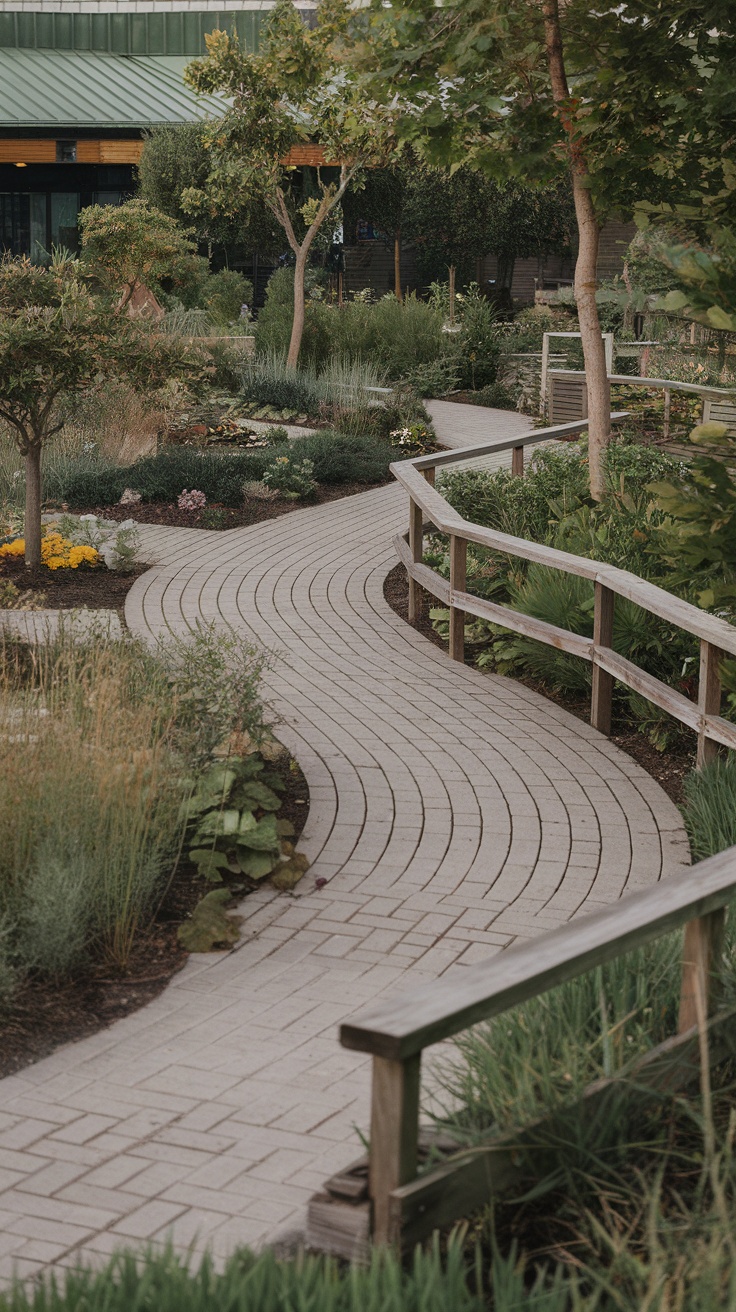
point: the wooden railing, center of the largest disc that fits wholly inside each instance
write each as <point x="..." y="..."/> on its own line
<point x="715" y="635"/>
<point x="567" y="389"/>
<point x="403" y="1207"/>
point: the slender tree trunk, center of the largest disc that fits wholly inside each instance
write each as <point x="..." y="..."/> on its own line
<point x="297" y="327"/>
<point x="32" y="527"/>
<point x="596" y="373"/>
<point x="397" y="264"/>
<point x="452" y="293"/>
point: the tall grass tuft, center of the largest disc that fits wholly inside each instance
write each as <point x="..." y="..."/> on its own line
<point x="262" y="1283"/>
<point x="710" y="807"/>
<point x="89" y="802"/>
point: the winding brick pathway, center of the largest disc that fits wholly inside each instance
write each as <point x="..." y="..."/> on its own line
<point x="451" y="813"/>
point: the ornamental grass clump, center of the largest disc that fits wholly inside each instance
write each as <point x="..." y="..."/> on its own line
<point x="89" y="826"/>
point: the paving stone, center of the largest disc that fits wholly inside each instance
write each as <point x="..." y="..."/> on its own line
<point x="451" y="813"/>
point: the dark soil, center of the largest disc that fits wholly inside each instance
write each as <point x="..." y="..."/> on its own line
<point x="253" y="511"/>
<point x="44" y="1015"/>
<point x="67" y="589"/>
<point x="669" y="768"/>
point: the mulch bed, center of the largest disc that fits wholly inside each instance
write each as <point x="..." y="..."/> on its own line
<point x="669" y="768"/>
<point x="44" y="1016"/>
<point x="67" y="589"/>
<point x="254" y="510"/>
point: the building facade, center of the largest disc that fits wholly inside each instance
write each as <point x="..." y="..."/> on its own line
<point x="81" y="83"/>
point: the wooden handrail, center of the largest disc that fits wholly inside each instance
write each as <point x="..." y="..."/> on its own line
<point x="709" y="628"/>
<point x="401" y="1027"/>
<point x="659" y="384"/>
<point x="397" y="1031"/>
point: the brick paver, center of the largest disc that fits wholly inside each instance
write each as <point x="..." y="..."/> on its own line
<point x="451" y="813"/>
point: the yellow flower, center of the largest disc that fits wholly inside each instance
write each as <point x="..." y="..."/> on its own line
<point x="82" y="555"/>
<point x="56" y="562"/>
<point x="16" y="548"/>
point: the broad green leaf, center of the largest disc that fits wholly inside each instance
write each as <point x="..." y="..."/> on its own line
<point x="256" y="865"/>
<point x="219" y="824"/>
<point x="247" y="824"/>
<point x="263" y="838"/>
<point x="259" y="794"/>
<point x="210" y="863"/>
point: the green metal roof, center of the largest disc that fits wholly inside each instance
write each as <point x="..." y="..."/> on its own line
<point x="168" y="33"/>
<point x="54" y="88"/>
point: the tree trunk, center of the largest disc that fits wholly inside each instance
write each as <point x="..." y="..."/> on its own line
<point x="297" y="327"/>
<point x="32" y="527"/>
<point x="397" y="264"/>
<point x="594" y="353"/>
<point x="452" y="293"/>
<point x="596" y="372"/>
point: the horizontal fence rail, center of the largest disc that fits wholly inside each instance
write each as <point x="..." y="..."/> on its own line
<point x="402" y="1207"/>
<point x="568" y="396"/>
<point x="716" y="636"/>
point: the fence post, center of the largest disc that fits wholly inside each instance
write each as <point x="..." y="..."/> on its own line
<point x="701" y="954"/>
<point x="667" y="412"/>
<point x="517" y="461"/>
<point x="415" y="546"/>
<point x="602" y="689"/>
<point x="703" y="938"/>
<point x="429" y="474"/>
<point x="458" y="578"/>
<point x="709" y="698"/>
<point x="394" y="1138"/>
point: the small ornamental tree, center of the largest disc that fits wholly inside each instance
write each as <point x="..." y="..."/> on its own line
<point x="631" y="102"/>
<point x="175" y="160"/>
<point x="126" y="247"/>
<point x="293" y="92"/>
<point x="56" y="340"/>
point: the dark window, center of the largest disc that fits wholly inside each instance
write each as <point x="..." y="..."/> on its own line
<point x="66" y="152"/>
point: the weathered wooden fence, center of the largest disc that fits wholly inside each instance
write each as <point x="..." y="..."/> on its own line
<point x="568" y="396"/>
<point x="395" y="1205"/>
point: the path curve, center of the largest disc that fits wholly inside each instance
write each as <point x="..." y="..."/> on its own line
<point x="451" y="813"/>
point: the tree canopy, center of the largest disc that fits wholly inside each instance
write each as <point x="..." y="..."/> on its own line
<point x="630" y="101"/>
<point x="292" y="92"/>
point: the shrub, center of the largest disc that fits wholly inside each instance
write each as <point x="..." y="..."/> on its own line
<point x="224" y="294"/>
<point x="344" y="459"/>
<point x="276" y="436"/>
<point x="100" y="736"/>
<point x="89" y="812"/>
<point x="267" y="380"/>
<point x="479" y="349"/>
<point x="291" y="478"/>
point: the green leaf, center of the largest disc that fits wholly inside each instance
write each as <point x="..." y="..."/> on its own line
<point x="209" y="926"/>
<point x="718" y="318"/>
<point x="210" y="863"/>
<point x="284" y="828"/>
<point x="262" y="838"/>
<point x="256" y="865"/>
<point x="247" y="824"/>
<point x="259" y="794"/>
<point x="218" y="824"/>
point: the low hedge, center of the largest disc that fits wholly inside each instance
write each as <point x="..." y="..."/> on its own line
<point x="220" y="475"/>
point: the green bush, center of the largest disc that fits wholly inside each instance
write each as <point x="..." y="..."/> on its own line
<point x="710" y="807"/>
<point x="274" y="323"/>
<point x="224" y="294"/>
<point x="221" y="475"/>
<point x="344" y="459"/>
<point x="291" y="478"/>
<point x="478" y="341"/>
